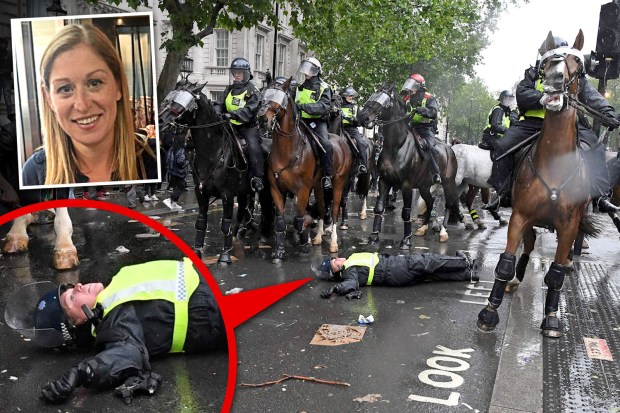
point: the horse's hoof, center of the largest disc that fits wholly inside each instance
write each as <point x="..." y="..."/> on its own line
<point x="503" y="222"/>
<point x="198" y="252"/>
<point x="405" y="244"/>
<point x="443" y="237"/>
<point x="15" y="244"/>
<point x="65" y="260"/>
<point x="373" y="239"/>
<point x="44" y="217"/>
<point x="551" y="327"/>
<point x="481" y="225"/>
<point x="241" y="233"/>
<point x="344" y="226"/>
<point x="487" y="320"/>
<point x="333" y="247"/>
<point x="420" y="232"/>
<point x="469" y="226"/>
<point x="363" y="215"/>
<point x="276" y="260"/>
<point x="318" y="240"/>
<point x="511" y="287"/>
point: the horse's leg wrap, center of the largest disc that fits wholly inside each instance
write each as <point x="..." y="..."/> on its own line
<point x="521" y="265"/>
<point x="298" y="224"/>
<point x="554" y="280"/>
<point x="376" y="225"/>
<point x="280" y="226"/>
<point x="201" y="227"/>
<point x="406" y="214"/>
<point x="504" y="272"/>
<point x="474" y="214"/>
<point x="226" y="226"/>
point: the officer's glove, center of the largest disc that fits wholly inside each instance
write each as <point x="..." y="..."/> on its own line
<point x="226" y="116"/>
<point x="300" y="107"/>
<point x="145" y="382"/>
<point x="62" y="386"/>
<point x="531" y="74"/>
<point x="328" y="293"/>
<point x="354" y="294"/>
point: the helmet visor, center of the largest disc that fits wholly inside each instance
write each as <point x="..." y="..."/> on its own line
<point x="239" y="76"/>
<point x="411" y="86"/>
<point x="508" y="101"/>
<point x="381" y="98"/>
<point x="307" y="68"/>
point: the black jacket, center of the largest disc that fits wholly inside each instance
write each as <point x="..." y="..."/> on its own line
<point x="429" y="110"/>
<point x="323" y="105"/>
<point x="134" y="332"/>
<point x="405" y="270"/>
<point x="496" y="120"/>
<point x="247" y="114"/>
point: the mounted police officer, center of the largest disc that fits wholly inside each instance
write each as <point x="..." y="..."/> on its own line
<point x="529" y="94"/>
<point x="423" y="109"/>
<point x="501" y="117"/>
<point x="350" y="124"/>
<point x="313" y="97"/>
<point x="147" y="309"/>
<point x="368" y="268"/>
<point x="239" y="107"/>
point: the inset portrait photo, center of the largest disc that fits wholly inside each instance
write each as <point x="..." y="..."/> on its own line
<point x="86" y="100"/>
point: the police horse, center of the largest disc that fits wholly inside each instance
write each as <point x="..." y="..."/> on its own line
<point x="403" y="166"/>
<point x="219" y="167"/>
<point x="293" y="168"/>
<point x="551" y="189"/>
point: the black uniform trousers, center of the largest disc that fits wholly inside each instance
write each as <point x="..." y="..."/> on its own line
<point x="361" y="143"/>
<point x="321" y="131"/>
<point x="255" y="152"/>
<point x="403" y="270"/>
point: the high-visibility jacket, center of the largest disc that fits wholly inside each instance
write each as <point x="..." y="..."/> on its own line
<point x="303" y="96"/>
<point x="536" y="113"/>
<point x="364" y="259"/>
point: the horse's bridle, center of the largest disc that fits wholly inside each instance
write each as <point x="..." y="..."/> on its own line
<point x="283" y="99"/>
<point x="382" y="106"/>
<point x="561" y="54"/>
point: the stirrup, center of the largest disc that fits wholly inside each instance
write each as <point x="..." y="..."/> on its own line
<point x="257" y="184"/>
<point x="362" y="169"/>
<point x="436" y="179"/>
<point x="327" y="182"/>
<point x="493" y="205"/>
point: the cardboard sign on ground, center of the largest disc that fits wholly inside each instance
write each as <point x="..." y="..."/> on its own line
<point x="336" y="335"/>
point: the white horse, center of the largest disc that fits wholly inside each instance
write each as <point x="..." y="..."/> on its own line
<point x="474" y="169"/>
<point x="65" y="253"/>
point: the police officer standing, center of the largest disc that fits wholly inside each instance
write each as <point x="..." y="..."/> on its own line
<point x="501" y="117"/>
<point x="350" y="124"/>
<point x="239" y="107"/>
<point x="148" y="309"/>
<point x="423" y="109"/>
<point x="313" y="97"/>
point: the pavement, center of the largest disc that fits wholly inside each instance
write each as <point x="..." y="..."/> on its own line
<point x="423" y="352"/>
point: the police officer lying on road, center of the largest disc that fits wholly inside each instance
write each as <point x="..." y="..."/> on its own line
<point x="147" y="309"/>
<point x="368" y="268"/>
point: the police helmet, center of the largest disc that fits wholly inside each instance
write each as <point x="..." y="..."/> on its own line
<point x="240" y="66"/>
<point x="279" y="80"/>
<point x="310" y="67"/>
<point x="506" y="98"/>
<point x="349" y="91"/>
<point x="414" y="83"/>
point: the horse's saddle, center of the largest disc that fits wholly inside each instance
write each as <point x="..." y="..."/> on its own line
<point x="352" y="142"/>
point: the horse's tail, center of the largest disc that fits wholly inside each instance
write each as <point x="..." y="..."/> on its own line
<point x="363" y="185"/>
<point x="590" y="226"/>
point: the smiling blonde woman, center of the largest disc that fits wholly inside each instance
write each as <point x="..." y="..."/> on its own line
<point x="87" y="120"/>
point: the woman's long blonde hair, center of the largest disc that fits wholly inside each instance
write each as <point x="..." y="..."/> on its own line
<point x="61" y="160"/>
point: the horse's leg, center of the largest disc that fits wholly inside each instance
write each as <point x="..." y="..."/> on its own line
<point x="65" y="253"/>
<point x="227" y="230"/>
<point x="201" y="221"/>
<point x="426" y="195"/>
<point x="337" y="197"/>
<point x="529" y="238"/>
<point x="245" y="217"/>
<point x="279" y="200"/>
<point x="615" y="219"/>
<point x="319" y="196"/>
<point x="302" y="202"/>
<point x="364" y="215"/>
<point x="405" y="244"/>
<point x="17" y="238"/>
<point x="345" y="211"/>
<point x="504" y="272"/>
<point x="554" y="279"/>
<point x="465" y="201"/>
<point x="384" y="190"/>
<point x="471" y="196"/>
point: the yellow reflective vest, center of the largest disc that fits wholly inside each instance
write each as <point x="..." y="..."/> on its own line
<point x="505" y="120"/>
<point x="364" y="259"/>
<point x="348" y="112"/>
<point x="303" y="96"/>
<point x="417" y="118"/>
<point x="234" y="102"/>
<point x="537" y="113"/>
<point x="173" y="281"/>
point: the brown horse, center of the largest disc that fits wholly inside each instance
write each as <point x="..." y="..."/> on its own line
<point x="551" y="189"/>
<point x="293" y="168"/>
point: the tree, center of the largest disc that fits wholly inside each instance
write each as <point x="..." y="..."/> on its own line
<point x="468" y="111"/>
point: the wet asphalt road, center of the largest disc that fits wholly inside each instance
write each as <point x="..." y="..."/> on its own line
<point x="191" y="383"/>
<point x="423" y="353"/>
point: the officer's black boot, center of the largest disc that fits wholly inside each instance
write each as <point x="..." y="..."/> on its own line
<point x="434" y="166"/>
<point x="604" y="205"/>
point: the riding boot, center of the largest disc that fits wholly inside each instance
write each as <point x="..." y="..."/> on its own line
<point x="363" y="167"/>
<point x="500" y="179"/>
<point x="434" y="166"/>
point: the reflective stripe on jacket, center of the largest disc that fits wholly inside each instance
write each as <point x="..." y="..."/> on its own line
<point x="173" y="281"/>
<point x="537" y="113"/>
<point x="234" y="102"/>
<point x="364" y="259"/>
<point x="417" y="118"/>
<point x="348" y="113"/>
<point x="304" y="96"/>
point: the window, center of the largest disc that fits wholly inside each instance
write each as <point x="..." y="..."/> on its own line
<point x="221" y="47"/>
<point x="258" y="57"/>
<point x="217" y="96"/>
<point x="281" y="60"/>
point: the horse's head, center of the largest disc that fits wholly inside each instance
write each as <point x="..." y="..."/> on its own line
<point x="275" y="101"/>
<point x="375" y="105"/>
<point x="181" y="101"/>
<point x="561" y="68"/>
